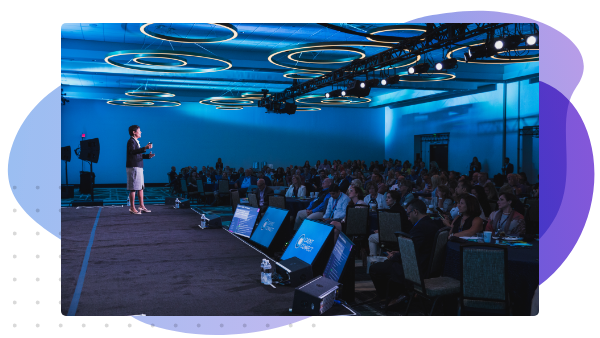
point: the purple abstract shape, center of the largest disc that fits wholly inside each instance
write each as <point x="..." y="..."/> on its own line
<point x="553" y="153"/>
<point x="212" y="325"/>
<point x="560" y="238"/>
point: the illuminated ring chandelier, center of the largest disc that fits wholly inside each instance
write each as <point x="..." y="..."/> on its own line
<point x="234" y="34"/>
<point x="301" y="75"/>
<point x="426" y="77"/>
<point x="144" y="103"/>
<point x="148" y="93"/>
<point x="377" y="30"/>
<point x="228" y="101"/>
<point x="332" y="45"/>
<point x="322" y="100"/>
<point x="361" y="55"/>
<point x="253" y="95"/>
<point x="522" y="57"/>
<point x="306" y="108"/>
<point x="179" y="62"/>
<point x="502" y="60"/>
<point x="230" y="107"/>
<point x="168" y="53"/>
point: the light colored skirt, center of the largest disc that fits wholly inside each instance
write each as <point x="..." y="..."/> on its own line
<point x="135" y="178"/>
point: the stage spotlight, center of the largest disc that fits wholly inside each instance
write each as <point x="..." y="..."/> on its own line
<point x="446" y="64"/>
<point x="343" y="93"/>
<point x="418" y="69"/>
<point x="532" y="40"/>
<point x="361" y="88"/>
<point x="390" y="80"/>
<point x="509" y="42"/>
<point x="334" y="93"/>
<point x="481" y="51"/>
<point x="287" y="108"/>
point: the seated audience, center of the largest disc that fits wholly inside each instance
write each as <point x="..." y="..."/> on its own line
<point x="406" y="195"/>
<point x="506" y="220"/>
<point x="483" y="179"/>
<point x="336" y="207"/>
<point x="262" y="194"/>
<point x="317" y="207"/>
<point x="468" y="223"/>
<point x="392" y="202"/>
<point x="296" y="189"/>
<point x="374" y="197"/>
<point x="423" y="234"/>
<point x="278" y="178"/>
<point x="479" y="192"/>
<point x="358" y="184"/>
<point x="444" y="198"/>
<point x="355" y="195"/>
<point x="490" y="191"/>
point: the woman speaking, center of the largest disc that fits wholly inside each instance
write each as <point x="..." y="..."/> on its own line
<point x="135" y="168"/>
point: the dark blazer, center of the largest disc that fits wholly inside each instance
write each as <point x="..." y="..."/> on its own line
<point x="422" y="235"/>
<point x="240" y="180"/>
<point x="344" y="185"/>
<point x="268" y="192"/>
<point x="135" y="154"/>
<point x="510" y="168"/>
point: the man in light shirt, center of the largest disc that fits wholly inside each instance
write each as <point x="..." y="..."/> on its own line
<point x="336" y="208"/>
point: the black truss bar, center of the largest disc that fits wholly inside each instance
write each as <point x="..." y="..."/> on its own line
<point x="444" y="35"/>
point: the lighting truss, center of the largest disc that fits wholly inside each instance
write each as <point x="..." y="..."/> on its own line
<point x="440" y="36"/>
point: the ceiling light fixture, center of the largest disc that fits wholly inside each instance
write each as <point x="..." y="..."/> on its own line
<point x="446" y="64"/>
<point x="390" y="80"/>
<point x="230" y="27"/>
<point x="166" y="53"/>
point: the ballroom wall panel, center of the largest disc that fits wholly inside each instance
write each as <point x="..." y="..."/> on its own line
<point x="193" y="134"/>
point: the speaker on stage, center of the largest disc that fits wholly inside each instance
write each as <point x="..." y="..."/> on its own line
<point x="298" y="270"/>
<point x="86" y="179"/>
<point x="315" y="297"/>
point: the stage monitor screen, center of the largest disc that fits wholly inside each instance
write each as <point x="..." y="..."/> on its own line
<point x="243" y="220"/>
<point x="268" y="226"/>
<point x="339" y="257"/>
<point x="308" y="241"/>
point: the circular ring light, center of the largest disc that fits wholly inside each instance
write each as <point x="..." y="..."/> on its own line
<point x="301" y="75"/>
<point x="426" y="77"/>
<point x="140" y="103"/>
<point x="148" y="94"/>
<point x="322" y="100"/>
<point x="361" y="55"/>
<point x="253" y="95"/>
<point x="234" y="34"/>
<point x="179" y="62"/>
<point x="377" y="30"/>
<point x="401" y="64"/>
<point x="497" y="60"/>
<point x="227" y="101"/>
<point x="521" y="58"/>
<point x="307" y="108"/>
<point x="169" y="53"/>
<point x="333" y="45"/>
<point x="230" y="107"/>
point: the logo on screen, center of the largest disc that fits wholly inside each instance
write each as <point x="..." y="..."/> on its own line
<point x="304" y="243"/>
<point x="267" y="225"/>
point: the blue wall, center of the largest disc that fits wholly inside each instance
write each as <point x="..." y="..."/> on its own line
<point x="475" y="126"/>
<point x="195" y="134"/>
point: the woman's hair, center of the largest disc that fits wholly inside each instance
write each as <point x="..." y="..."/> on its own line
<point x="493" y="195"/>
<point x="219" y="160"/>
<point x="132" y="129"/>
<point x="395" y="195"/>
<point x="483" y="200"/>
<point x="510" y="198"/>
<point x="359" y="192"/>
<point x="435" y="181"/>
<point x="298" y="180"/>
<point x="475" y="159"/>
<point x="371" y="185"/>
<point x="472" y="204"/>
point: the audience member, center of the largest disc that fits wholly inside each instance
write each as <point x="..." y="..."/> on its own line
<point x="490" y="191"/>
<point x="267" y="180"/>
<point x="393" y="205"/>
<point x="422" y="234"/>
<point x="479" y="193"/>
<point x="506" y="220"/>
<point x="374" y="197"/>
<point x="263" y="192"/>
<point x="296" y="188"/>
<point x="483" y="179"/>
<point x="355" y="195"/>
<point x="444" y="198"/>
<point x="219" y="164"/>
<point x="507" y="167"/>
<point x="336" y="207"/>
<point x="466" y="224"/>
<point x="475" y="165"/>
<point x="406" y="195"/>
<point x="317" y="207"/>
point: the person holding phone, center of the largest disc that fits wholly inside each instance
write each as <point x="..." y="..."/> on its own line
<point x="135" y="168"/>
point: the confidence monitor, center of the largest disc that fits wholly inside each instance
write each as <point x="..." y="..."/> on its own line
<point x="243" y="220"/>
<point x="340" y="267"/>
<point x="312" y="243"/>
<point x="271" y="230"/>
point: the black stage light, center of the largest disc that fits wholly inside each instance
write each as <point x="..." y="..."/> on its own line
<point x="508" y="43"/>
<point x="418" y="69"/>
<point x="65" y="153"/>
<point x="390" y="80"/>
<point x="90" y="150"/>
<point x="446" y="64"/>
<point x="287" y="108"/>
<point x="361" y="88"/>
<point x="334" y="93"/>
